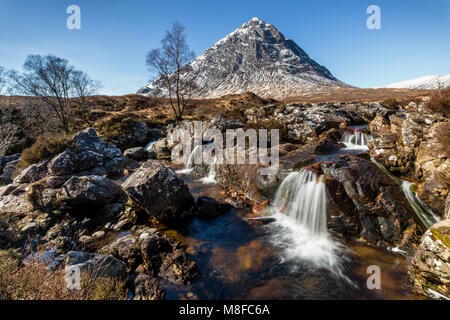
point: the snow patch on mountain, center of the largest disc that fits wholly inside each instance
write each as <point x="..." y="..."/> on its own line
<point x="426" y="83"/>
<point x="255" y="57"/>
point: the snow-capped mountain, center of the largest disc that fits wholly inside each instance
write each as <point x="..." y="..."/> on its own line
<point x="255" y="57"/>
<point x="427" y="83"/>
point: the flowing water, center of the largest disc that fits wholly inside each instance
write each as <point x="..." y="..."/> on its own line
<point x="300" y="227"/>
<point x="210" y="178"/>
<point x="356" y="140"/>
<point x="190" y="163"/>
<point x="423" y="212"/>
<point x="288" y="255"/>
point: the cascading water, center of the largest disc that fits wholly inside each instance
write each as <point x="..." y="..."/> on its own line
<point x="421" y="209"/>
<point x="210" y="178"/>
<point x="356" y="140"/>
<point x="302" y="197"/>
<point x="190" y="162"/>
<point x="300" y="227"/>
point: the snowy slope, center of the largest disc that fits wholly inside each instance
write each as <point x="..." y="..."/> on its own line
<point x="255" y="57"/>
<point x="428" y="83"/>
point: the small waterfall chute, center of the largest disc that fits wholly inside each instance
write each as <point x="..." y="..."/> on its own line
<point x="302" y="197"/>
<point x="210" y="178"/>
<point x="300" y="227"/>
<point x="356" y="140"/>
<point x="423" y="212"/>
<point x="189" y="166"/>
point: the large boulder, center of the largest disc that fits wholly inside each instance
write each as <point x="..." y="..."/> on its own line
<point x="157" y="189"/>
<point x="87" y="152"/>
<point x="430" y="267"/>
<point x="167" y="258"/>
<point x="89" y="191"/>
<point x="383" y="213"/>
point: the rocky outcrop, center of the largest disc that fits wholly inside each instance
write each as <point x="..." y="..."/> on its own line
<point x="306" y="123"/>
<point x="433" y="166"/>
<point x="415" y="146"/>
<point x="383" y="213"/>
<point x="93" y="191"/>
<point x="89" y="153"/>
<point x="430" y="267"/>
<point x="157" y="189"/>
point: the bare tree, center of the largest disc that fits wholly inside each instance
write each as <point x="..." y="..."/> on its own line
<point x="3" y="80"/>
<point x="8" y="130"/>
<point x="54" y="81"/>
<point x="171" y="63"/>
<point x="84" y="87"/>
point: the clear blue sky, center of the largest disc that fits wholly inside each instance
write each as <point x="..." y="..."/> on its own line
<point x="116" y="35"/>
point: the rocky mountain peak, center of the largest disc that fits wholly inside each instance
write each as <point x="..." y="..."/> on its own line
<point x="255" y="57"/>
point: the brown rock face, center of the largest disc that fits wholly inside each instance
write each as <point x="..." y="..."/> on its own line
<point x="157" y="189"/>
<point x="382" y="212"/>
<point x="433" y="166"/>
<point x="430" y="268"/>
<point x="417" y="147"/>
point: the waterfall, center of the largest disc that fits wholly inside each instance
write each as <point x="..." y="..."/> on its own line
<point x="210" y="178"/>
<point x="190" y="163"/>
<point x="302" y="197"/>
<point x="300" y="227"/>
<point x="421" y="209"/>
<point x="423" y="212"/>
<point x="356" y="140"/>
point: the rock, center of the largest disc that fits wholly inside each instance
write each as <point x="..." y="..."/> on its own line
<point x="430" y="267"/>
<point x="157" y="189"/>
<point x="160" y="149"/>
<point x="209" y="208"/>
<point x="33" y="173"/>
<point x="96" y="265"/>
<point x="125" y="248"/>
<point x="305" y="124"/>
<point x="89" y="191"/>
<point x="447" y="207"/>
<point x="433" y="165"/>
<point x="118" y="167"/>
<point x="30" y="228"/>
<point x="383" y="211"/>
<point x="148" y="288"/>
<point x="88" y="152"/>
<point x="137" y="134"/>
<point x="135" y="153"/>
<point x="167" y="259"/>
<point x="88" y="140"/>
<point x="8" y="171"/>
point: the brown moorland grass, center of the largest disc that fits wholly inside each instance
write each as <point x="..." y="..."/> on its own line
<point x="33" y="281"/>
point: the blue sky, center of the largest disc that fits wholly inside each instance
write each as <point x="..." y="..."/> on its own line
<point x="116" y="35"/>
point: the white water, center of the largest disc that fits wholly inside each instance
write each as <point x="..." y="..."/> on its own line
<point x="423" y="212"/>
<point x="356" y="141"/>
<point x="210" y="178"/>
<point x="150" y="144"/>
<point x="190" y="163"/>
<point x="301" y="223"/>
